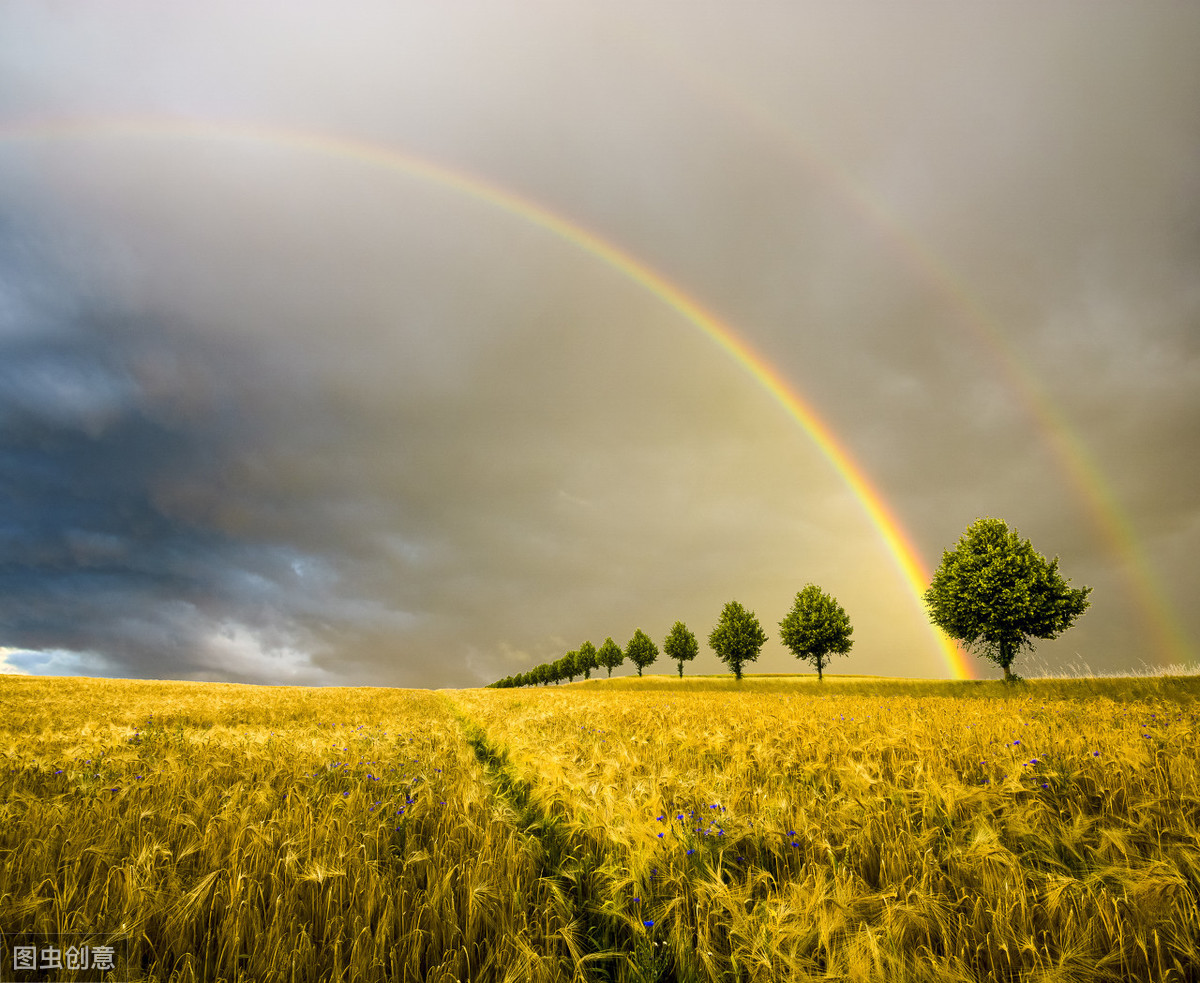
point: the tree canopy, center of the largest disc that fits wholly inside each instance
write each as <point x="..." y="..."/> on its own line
<point x="680" y="645"/>
<point x="585" y="660"/>
<point x="641" y="650"/>
<point x="816" y="628"/>
<point x="738" y="637"/>
<point x="995" y="593"/>
<point x="610" y="655"/>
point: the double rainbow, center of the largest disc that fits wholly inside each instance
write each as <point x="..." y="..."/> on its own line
<point x="899" y="544"/>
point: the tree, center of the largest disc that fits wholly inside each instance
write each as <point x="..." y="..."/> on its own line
<point x="680" y="645"/>
<point x="995" y="593"/>
<point x="816" y="628"/>
<point x="570" y="665"/>
<point x="641" y="650"/>
<point x="738" y="637"/>
<point x="610" y="655"/>
<point x="586" y="661"/>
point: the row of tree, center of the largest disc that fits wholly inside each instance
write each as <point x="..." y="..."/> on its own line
<point x="993" y="592"/>
<point x="815" y="629"/>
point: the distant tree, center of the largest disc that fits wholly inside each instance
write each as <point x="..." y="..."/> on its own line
<point x="816" y="628"/>
<point x="571" y="668"/>
<point x="680" y="645"/>
<point x="543" y="673"/>
<point x="586" y="661"/>
<point x="995" y="594"/>
<point x="610" y="655"/>
<point x="737" y="638"/>
<point x="641" y="650"/>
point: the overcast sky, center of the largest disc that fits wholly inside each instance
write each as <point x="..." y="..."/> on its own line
<point x="272" y="411"/>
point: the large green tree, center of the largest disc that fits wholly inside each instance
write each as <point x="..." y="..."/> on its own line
<point x="610" y="655"/>
<point x="816" y="627"/>
<point x="641" y="650"/>
<point x="995" y="593"/>
<point x="680" y="645"/>
<point x="585" y="660"/>
<point x="737" y="638"/>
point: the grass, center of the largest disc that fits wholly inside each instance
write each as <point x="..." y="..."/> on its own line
<point x="628" y="829"/>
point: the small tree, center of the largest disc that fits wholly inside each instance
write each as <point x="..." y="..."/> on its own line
<point x="738" y="638"/>
<point x="610" y="655"/>
<point x="816" y="628"/>
<point x="995" y="594"/>
<point x="586" y="660"/>
<point x="641" y="650"/>
<point x="571" y="665"/>
<point x="680" y="645"/>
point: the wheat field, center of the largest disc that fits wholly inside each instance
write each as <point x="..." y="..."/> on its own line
<point x="627" y="830"/>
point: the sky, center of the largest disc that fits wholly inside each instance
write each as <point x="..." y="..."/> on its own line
<point x="413" y="344"/>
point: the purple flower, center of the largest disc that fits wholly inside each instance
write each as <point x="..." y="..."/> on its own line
<point x="649" y="923"/>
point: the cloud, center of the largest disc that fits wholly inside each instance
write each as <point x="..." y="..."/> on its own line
<point x="272" y="414"/>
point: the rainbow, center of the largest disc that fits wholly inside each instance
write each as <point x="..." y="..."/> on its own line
<point x="1073" y="457"/>
<point x="898" y="542"/>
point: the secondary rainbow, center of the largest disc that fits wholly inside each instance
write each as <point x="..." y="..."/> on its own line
<point x="897" y="540"/>
<point x="1073" y="457"/>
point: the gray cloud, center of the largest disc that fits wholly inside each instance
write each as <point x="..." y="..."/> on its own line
<point x="273" y="414"/>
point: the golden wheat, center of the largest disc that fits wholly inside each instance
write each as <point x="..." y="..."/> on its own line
<point x="614" y="830"/>
<point x="238" y="833"/>
<point x="780" y="832"/>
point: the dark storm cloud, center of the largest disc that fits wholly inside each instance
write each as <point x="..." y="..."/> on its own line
<point x="271" y="414"/>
